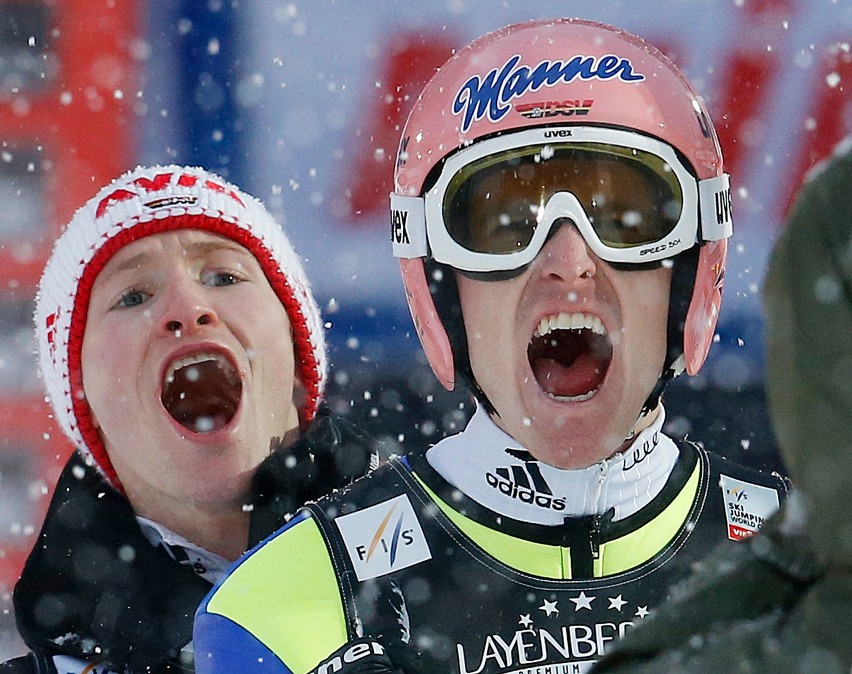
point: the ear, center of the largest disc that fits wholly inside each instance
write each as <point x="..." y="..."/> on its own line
<point x="704" y="308"/>
<point x="433" y="336"/>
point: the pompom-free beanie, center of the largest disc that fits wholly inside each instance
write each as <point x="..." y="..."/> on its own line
<point x="143" y="202"/>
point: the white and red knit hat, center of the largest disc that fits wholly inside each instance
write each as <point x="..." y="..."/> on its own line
<point x="146" y="201"/>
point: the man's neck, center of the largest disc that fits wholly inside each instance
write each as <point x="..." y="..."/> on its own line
<point x="495" y="470"/>
<point x="221" y="530"/>
<point x="206" y="563"/>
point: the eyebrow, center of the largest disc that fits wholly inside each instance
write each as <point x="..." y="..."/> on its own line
<point x="200" y="248"/>
<point x="197" y="249"/>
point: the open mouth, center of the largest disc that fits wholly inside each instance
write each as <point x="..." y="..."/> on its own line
<point x="202" y="392"/>
<point x="569" y="355"/>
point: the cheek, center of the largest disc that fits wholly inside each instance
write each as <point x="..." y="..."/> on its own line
<point x="661" y="303"/>
<point x="110" y="362"/>
<point x="651" y="317"/>
<point x="490" y="312"/>
<point x="94" y="361"/>
<point x="98" y="390"/>
<point x="269" y="340"/>
<point x="483" y="306"/>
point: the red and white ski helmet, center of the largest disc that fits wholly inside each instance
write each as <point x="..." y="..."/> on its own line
<point x="508" y="81"/>
<point x="141" y="203"/>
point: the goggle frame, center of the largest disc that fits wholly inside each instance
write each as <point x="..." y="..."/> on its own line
<point x="418" y="229"/>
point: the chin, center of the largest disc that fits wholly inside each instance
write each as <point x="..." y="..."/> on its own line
<point x="575" y="457"/>
<point x="576" y="440"/>
<point x="224" y="489"/>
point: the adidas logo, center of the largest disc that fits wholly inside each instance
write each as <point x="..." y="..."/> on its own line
<point x="524" y="483"/>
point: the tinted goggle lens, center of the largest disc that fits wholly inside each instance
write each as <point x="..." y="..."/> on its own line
<point x="494" y="205"/>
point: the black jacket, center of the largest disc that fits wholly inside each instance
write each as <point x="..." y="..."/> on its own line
<point x="94" y="587"/>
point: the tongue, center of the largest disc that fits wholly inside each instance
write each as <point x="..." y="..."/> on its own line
<point x="204" y="397"/>
<point x="583" y="375"/>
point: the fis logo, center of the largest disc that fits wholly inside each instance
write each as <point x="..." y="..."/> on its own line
<point x="389" y="545"/>
<point x="524" y="483"/>
<point x="738" y="494"/>
<point x="383" y="538"/>
<point x="70" y="665"/>
<point x="747" y="506"/>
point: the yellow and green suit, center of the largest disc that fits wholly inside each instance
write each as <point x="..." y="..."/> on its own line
<point x="404" y="553"/>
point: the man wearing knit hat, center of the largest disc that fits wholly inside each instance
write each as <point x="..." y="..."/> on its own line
<point x="180" y="345"/>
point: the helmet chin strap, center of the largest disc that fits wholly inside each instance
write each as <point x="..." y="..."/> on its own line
<point x="684" y="267"/>
<point x="653" y="399"/>
<point x="445" y="295"/>
<point x="666" y="376"/>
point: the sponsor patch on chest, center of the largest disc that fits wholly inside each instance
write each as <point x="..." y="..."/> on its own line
<point x="383" y="538"/>
<point x="747" y="505"/>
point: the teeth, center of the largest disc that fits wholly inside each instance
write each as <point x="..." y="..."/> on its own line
<point x="565" y="321"/>
<point x="194" y="359"/>
<point x="573" y="399"/>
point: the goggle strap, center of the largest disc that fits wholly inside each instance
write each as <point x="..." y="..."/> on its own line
<point x="714" y="200"/>
<point x="408" y="226"/>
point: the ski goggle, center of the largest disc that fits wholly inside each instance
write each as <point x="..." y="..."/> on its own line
<point x="496" y="201"/>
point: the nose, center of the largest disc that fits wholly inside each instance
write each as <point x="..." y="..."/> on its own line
<point x="186" y="308"/>
<point x="566" y="256"/>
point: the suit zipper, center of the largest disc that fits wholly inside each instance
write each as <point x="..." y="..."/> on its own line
<point x="595" y="537"/>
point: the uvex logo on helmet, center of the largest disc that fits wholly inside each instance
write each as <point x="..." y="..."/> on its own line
<point x="492" y="94"/>
<point x="158" y="183"/>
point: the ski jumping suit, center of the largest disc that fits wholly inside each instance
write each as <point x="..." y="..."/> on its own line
<point x="482" y="558"/>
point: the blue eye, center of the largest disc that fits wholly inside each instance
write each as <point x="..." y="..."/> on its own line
<point x="222" y="278"/>
<point x="132" y="298"/>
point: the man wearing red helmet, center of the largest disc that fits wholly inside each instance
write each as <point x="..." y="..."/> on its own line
<point x="561" y="215"/>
